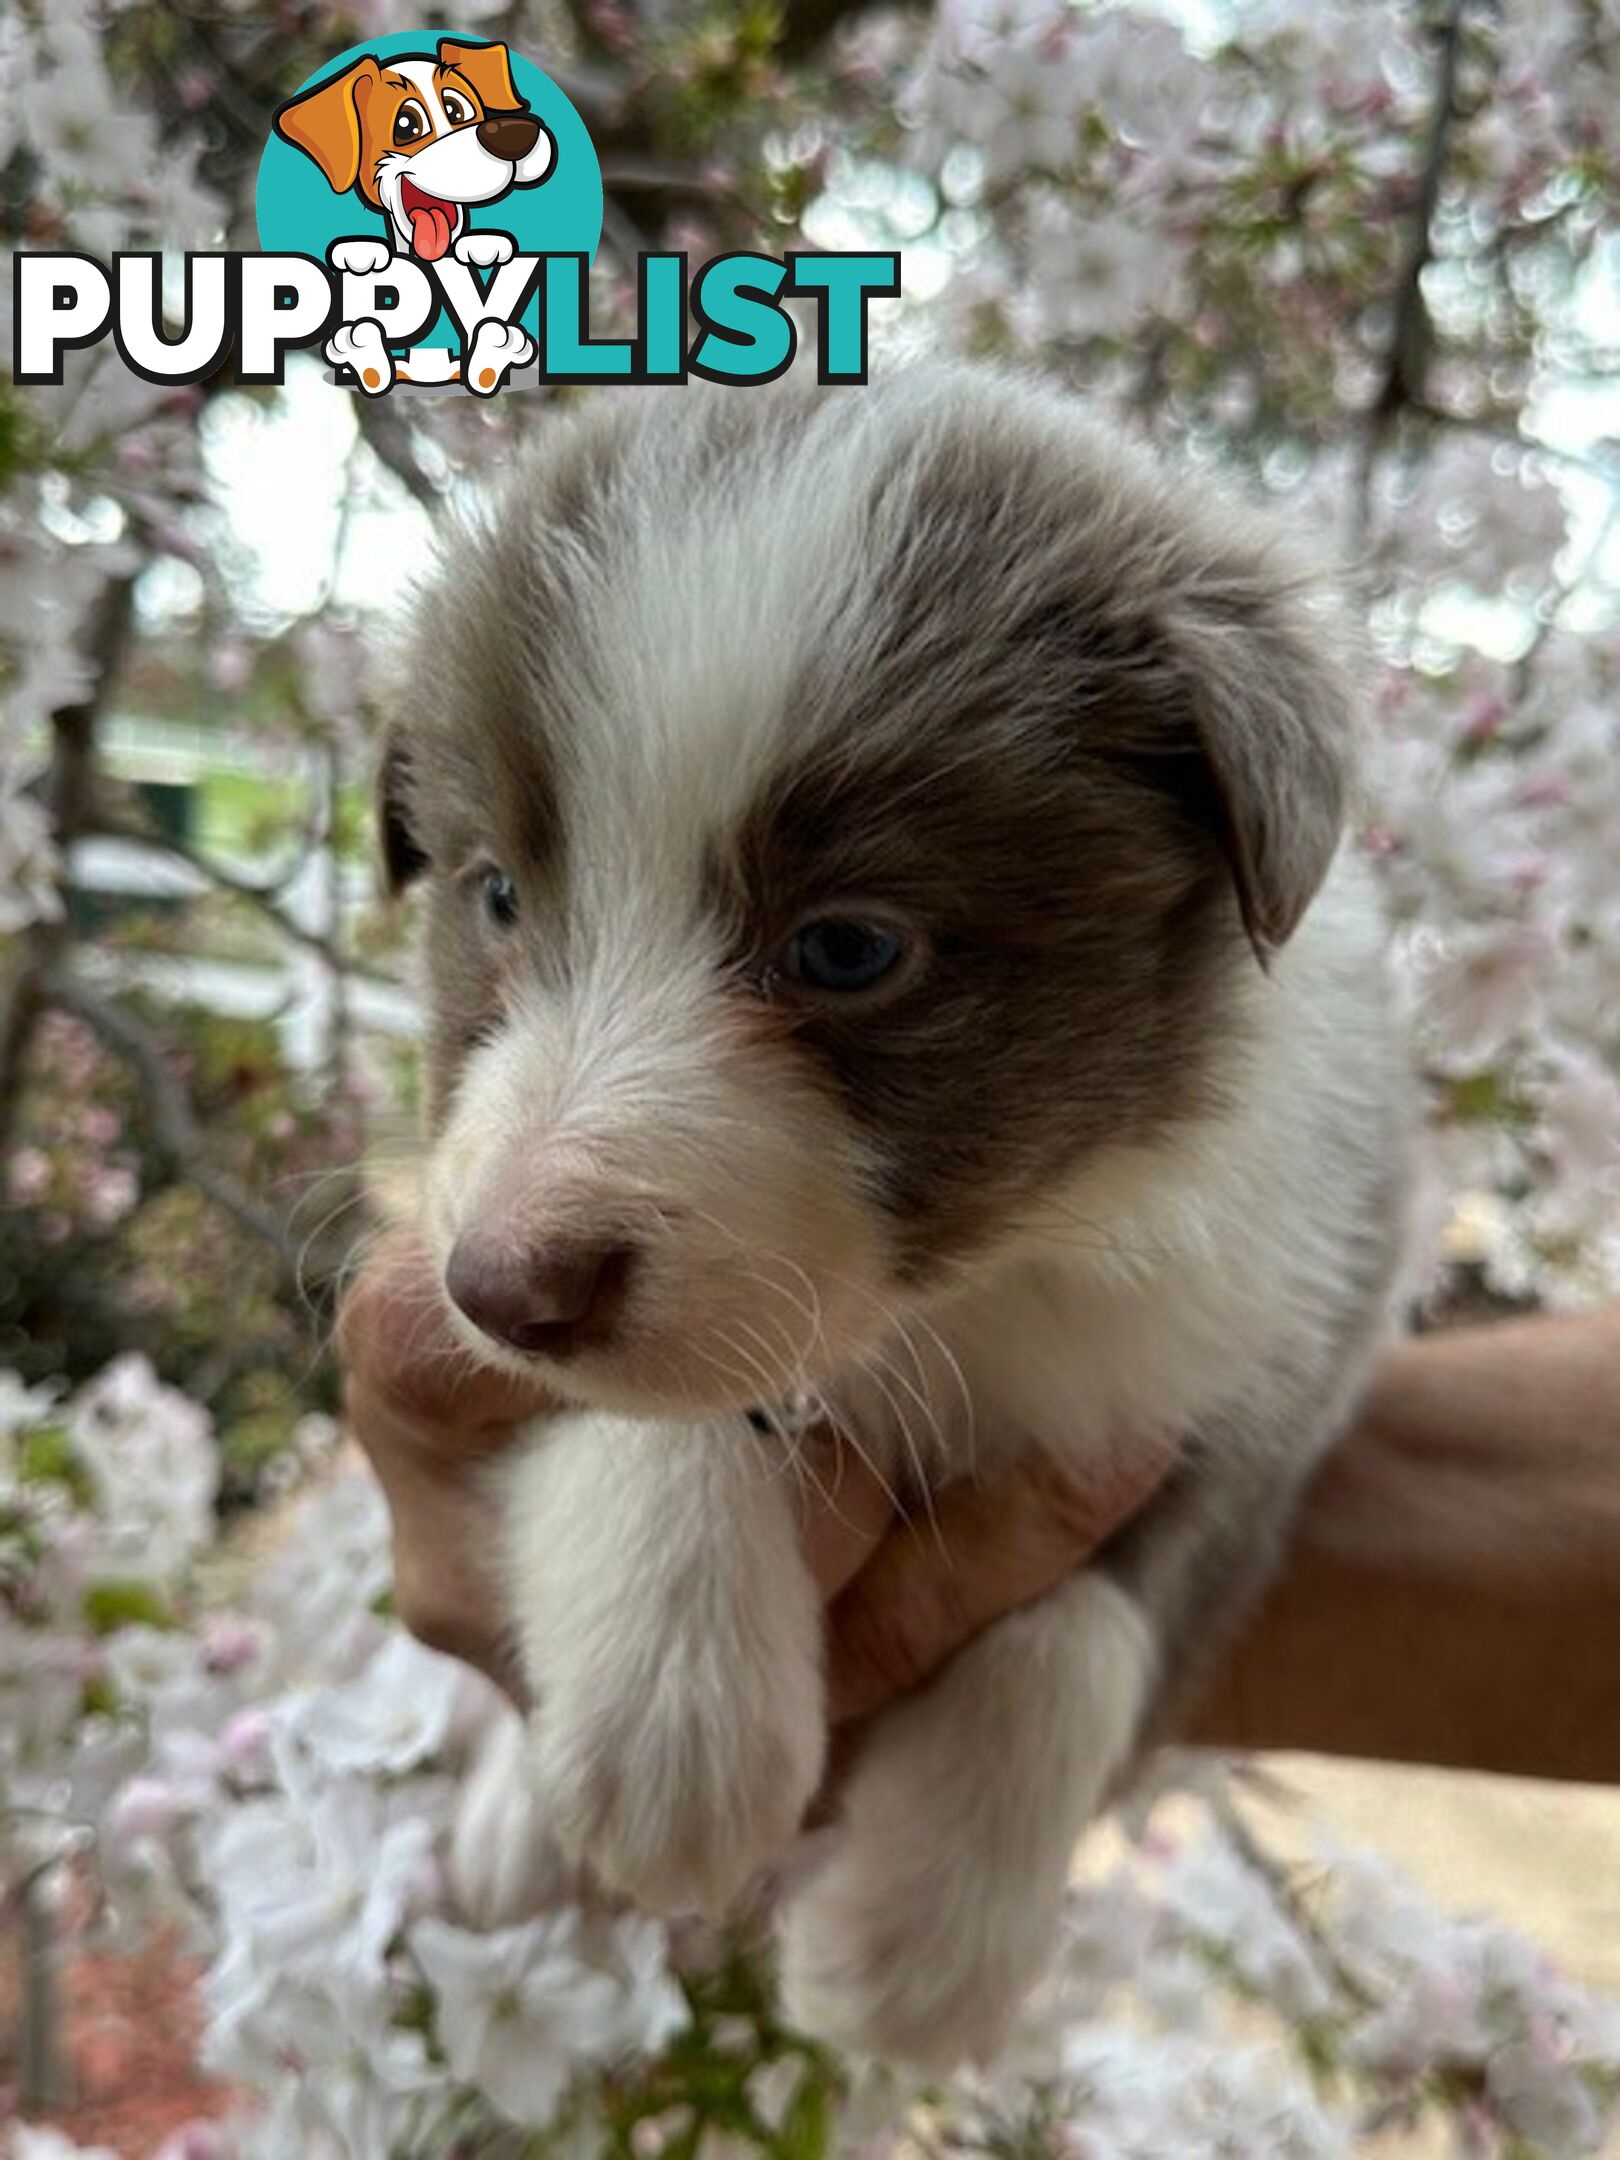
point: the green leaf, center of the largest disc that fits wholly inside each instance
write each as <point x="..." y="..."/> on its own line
<point x="120" y="1603"/>
<point x="46" y="1456"/>
<point x="806" y="2131"/>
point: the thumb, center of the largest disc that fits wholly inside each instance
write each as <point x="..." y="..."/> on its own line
<point x="982" y="1552"/>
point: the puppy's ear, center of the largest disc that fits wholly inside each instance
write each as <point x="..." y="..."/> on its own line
<point x="325" y="122"/>
<point x="489" y="69"/>
<point x="403" y="857"/>
<point x="1260" y="680"/>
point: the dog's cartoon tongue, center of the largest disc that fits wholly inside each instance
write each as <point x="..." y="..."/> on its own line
<point x="432" y="221"/>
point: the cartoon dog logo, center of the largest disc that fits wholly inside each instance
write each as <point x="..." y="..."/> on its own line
<point x="421" y="138"/>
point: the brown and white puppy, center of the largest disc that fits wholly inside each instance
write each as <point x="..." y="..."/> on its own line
<point x="889" y="945"/>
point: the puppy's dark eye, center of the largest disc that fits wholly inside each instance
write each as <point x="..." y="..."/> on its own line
<point x="500" y="898"/>
<point x="410" y="123"/>
<point x="456" y="109"/>
<point x="841" y="954"/>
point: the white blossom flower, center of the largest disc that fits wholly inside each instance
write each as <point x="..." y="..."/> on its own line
<point x="23" y="1407"/>
<point x="1542" y="2097"/>
<point x="1210" y="1892"/>
<point x="1486" y="985"/>
<point x="980" y="31"/>
<point x="319" y="1591"/>
<point x="522" y="2011"/>
<point x="321" y="1885"/>
<point x="1136" y="69"/>
<point x="152" y="1455"/>
<point x="74" y="120"/>
<point x="1030" y="118"/>
<point x="396" y="1712"/>
<point x="1093" y="274"/>
<point x="1580" y="1122"/>
<point x="199" y="2140"/>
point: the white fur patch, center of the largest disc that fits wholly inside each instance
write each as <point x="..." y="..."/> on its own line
<point x="503" y="1863"/>
<point x="678" y="1731"/>
<point x="938" y="1907"/>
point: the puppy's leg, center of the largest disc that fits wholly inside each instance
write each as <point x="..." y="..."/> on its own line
<point x="671" y="1633"/>
<point x="502" y="1862"/>
<point x="939" y="1904"/>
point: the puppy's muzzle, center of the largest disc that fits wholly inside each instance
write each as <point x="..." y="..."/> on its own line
<point x="508" y="136"/>
<point x="551" y="1300"/>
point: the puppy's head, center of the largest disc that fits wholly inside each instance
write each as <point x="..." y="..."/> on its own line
<point x="420" y="136"/>
<point x="841" y="814"/>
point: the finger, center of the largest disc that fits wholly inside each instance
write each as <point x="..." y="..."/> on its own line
<point x="845" y="1512"/>
<point x="984" y="1551"/>
<point x="444" y="1528"/>
<point x="405" y="1360"/>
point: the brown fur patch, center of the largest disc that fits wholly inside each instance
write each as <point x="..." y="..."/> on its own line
<point x="959" y="765"/>
<point x="1077" y="729"/>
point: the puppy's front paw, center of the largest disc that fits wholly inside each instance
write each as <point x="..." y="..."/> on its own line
<point x="359" y="258"/>
<point x="909" y="1944"/>
<point x="677" y="1794"/>
<point x="672" y="1636"/>
<point x="502" y="1861"/>
<point x="484" y="250"/>
<point x="937" y="1908"/>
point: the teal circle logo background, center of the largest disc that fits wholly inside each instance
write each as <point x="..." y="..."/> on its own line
<point x="298" y="214"/>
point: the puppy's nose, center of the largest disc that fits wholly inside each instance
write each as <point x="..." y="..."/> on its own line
<point x="549" y="1302"/>
<point x="509" y="135"/>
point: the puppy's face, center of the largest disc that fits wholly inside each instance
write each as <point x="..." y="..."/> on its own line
<point x="841" y="816"/>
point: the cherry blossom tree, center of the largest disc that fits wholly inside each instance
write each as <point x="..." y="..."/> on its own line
<point x="1365" y="253"/>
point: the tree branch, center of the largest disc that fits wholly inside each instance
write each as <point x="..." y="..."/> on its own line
<point x="1411" y="340"/>
<point x="261" y="898"/>
<point x="1412" y="336"/>
<point x="69" y="792"/>
<point x="179" y="1146"/>
<point x="807" y="24"/>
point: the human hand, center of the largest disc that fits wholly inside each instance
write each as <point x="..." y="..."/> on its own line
<point x="901" y="1597"/>
<point x="1465" y="1536"/>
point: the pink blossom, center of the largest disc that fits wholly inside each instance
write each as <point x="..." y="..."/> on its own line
<point x="29" y="1176"/>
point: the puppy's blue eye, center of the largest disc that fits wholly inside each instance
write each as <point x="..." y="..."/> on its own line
<point x="500" y="898"/>
<point x="841" y="954"/>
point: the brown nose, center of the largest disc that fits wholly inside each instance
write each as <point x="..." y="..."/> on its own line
<point x="550" y="1302"/>
<point x="509" y="135"/>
